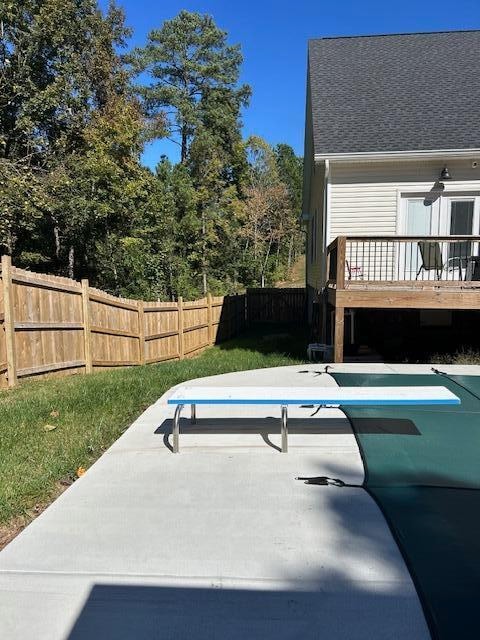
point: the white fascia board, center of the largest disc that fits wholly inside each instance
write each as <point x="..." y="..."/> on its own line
<point x="373" y="156"/>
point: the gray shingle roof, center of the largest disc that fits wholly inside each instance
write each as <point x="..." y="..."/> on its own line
<point x="395" y="92"/>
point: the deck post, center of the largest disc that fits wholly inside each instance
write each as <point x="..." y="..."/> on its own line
<point x="339" y="332"/>
<point x="324" y="335"/>
<point x="341" y="256"/>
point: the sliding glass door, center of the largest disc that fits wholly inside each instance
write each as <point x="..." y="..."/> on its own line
<point x="420" y="217"/>
<point x="455" y="215"/>
<point x="460" y="221"/>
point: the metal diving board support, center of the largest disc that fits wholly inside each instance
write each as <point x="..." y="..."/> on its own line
<point x="193" y="420"/>
<point x="284" y="429"/>
<point x="176" y="424"/>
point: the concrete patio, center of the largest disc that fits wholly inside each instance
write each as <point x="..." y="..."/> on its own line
<point x="221" y="541"/>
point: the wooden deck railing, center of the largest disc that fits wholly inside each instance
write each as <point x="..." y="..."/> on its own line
<point x="413" y="260"/>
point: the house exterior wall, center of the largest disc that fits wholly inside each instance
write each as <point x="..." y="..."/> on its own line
<point x="365" y="196"/>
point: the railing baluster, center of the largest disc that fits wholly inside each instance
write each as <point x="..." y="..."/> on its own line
<point x="380" y="265"/>
<point x="363" y="260"/>
<point x="398" y="257"/>
<point x="356" y="259"/>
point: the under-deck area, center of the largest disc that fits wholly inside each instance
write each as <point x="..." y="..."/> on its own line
<point x="399" y="272"/>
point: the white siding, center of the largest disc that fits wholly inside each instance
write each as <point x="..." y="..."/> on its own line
<point x="364" y="196"/>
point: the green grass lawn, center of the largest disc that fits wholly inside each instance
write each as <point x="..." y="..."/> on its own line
<point x="49" y="428"/>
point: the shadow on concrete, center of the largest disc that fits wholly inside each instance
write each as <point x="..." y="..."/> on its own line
<point x="327" y="604"/>
<point x="119" y="612"/>
<point x="271" y="425"/>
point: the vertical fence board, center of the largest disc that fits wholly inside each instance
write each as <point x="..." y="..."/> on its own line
<point x="8" y="320"/>
<point x="181" y="337"/>
<point x="3" y="352"/>
<point x="141" y="333"/>
<point x="209" y="317"/>
<point x="87" y="336"/>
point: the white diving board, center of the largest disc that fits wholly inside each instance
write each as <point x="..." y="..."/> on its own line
<point x="284" y="396"/>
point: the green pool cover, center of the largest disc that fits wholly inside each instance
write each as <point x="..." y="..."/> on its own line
<point x="422" y="466"/>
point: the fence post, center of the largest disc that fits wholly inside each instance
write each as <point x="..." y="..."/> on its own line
<point x="141" y="332"/>
<point x="87" y="334"/>
<point x="209" y="318"/>
<point x="9" y="320"/>
<point x="181" y="347"/>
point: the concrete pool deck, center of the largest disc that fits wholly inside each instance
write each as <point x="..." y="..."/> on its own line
<point x="220" y="541"/>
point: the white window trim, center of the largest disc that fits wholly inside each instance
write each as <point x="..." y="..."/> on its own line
<point x="440" y="209"/>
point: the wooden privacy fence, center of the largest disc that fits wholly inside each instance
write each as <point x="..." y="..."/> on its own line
<point x="53" y="324"/>
<point x="276" y="305"/>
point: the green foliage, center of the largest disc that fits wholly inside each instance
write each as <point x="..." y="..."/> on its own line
<point x="58" y="62"/>
<point x="290" y="171"/>
<point x="188" y="59"/>
<point x="74" y="198"/>
<point x="271" y="232"/>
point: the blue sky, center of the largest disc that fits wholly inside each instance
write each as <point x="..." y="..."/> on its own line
<point x="273" y="35"/>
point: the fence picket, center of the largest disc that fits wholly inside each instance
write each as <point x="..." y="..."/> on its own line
<point x="86" y="326"/>
<point x="9" y="320"/>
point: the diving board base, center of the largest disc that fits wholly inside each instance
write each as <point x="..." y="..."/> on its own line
<point x="176" y="427"/>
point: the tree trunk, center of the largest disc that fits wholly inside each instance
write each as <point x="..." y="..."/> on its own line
<point x="71" y="263"/>
<point x="290" y="251"/>
<point x="56" y="235"/>
<point x="279" y="241"/>
<point x="184" y="148"/>
<point x="267" y="255"/>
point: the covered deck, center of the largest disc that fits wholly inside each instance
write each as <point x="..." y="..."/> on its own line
<point x="400" y="272"/>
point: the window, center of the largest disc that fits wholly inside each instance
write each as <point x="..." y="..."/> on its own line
<point x="461" y="224"/>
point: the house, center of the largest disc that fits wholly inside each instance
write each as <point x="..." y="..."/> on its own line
<point x="392" y="174"/>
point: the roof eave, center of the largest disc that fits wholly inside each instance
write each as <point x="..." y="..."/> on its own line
<point x="372" y="156"/>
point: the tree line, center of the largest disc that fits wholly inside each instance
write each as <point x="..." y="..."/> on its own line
<point x="76" y="110"/>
